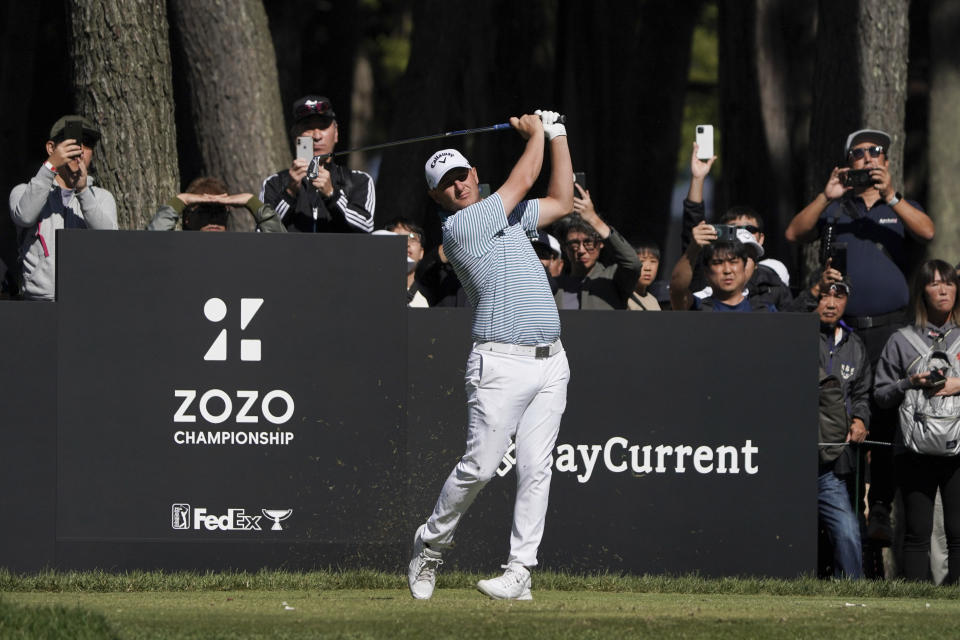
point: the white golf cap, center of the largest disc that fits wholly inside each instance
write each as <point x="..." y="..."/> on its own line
<point x="440" y="163"/>
<point x="746" y="238"/>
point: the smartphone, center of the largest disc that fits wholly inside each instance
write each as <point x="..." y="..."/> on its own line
<point x="838" y="255"/>
<point x="305" y="148"/>
<point x="857" y="178"/>
<point x="705" y="141"/>
<point x="936" y="379"/>
<point x="73" y="130"/>
<point x="580" y="178"/>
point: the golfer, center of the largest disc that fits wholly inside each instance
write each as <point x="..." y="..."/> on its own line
<point x="517" y="372"/>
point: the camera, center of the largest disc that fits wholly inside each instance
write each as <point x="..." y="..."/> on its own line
<point x="725" y="232"/>
<point x="857" y="178"/>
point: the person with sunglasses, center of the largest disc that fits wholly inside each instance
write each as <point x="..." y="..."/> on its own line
<point x="60" y="196"/>
<point x="338" y="200"/>
<point x="877" y="224"/>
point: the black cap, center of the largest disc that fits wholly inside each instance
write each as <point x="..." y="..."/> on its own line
<point x="90" y="131"/>
<point x="311" y="105"/>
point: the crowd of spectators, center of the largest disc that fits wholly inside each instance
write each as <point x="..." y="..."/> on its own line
<point x="861" y="293"/>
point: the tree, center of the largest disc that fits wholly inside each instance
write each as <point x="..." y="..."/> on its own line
<point x="860" y="82"/>
<point x="235" y="119"/>
<point x="122" y="81"/>
<point x="944" y="187"/>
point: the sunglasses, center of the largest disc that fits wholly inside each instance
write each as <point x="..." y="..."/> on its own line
<point x="313" y="107"/>
<point x="874" y="152"/>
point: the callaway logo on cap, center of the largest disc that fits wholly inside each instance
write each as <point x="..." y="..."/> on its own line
<point x="441" y="162"/>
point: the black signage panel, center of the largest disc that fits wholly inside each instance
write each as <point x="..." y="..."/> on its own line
<point x="231" y="387"/>
<point x="28" y="469"/>
<point x="688" y="444"/>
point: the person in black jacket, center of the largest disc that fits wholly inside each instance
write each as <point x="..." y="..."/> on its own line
<point x="843" y="355"/>
<point x="337" y="199"/>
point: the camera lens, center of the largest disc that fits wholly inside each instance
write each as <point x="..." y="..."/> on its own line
<point x="699" y="129"/>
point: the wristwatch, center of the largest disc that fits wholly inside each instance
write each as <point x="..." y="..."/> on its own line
<point x="895" y="199"/>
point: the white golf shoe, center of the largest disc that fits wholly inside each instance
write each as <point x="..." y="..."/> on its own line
<point x="514" y="584"/>
<point x="422" y="572"/>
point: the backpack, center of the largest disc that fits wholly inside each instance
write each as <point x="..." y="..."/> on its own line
<point x="931" y="425"/>
<point x="834" y="423"/>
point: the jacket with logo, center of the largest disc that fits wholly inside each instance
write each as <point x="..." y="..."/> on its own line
<point x="37" y="208"/>
<point x="349" y="209"/>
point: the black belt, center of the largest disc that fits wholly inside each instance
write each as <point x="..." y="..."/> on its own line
<point x="868" y="322"/>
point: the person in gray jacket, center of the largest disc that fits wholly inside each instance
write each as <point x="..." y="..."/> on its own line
<point x="206" y="206"/>
<point x="604" y="268"/>
<point x="60" y="196"/>
<point x="936" y="311"/>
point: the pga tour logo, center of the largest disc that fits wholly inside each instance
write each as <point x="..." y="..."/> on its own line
<point x="182" y="517"/>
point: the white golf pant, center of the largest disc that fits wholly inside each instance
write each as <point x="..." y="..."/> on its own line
<point x="509" y="397"/>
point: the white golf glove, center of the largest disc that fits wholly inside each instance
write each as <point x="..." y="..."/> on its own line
<point x="551" y="125"/>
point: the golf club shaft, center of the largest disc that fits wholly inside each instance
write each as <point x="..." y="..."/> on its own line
<point x="436" y="136"/>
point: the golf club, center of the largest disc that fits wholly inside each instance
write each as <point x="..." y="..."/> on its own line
<point x="314" y="167"/>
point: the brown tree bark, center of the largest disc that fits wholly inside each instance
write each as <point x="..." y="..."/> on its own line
<point x="121" y="76"/>
<point x="860" y="83"/>
<point x="944" y="187"/>
<point x="235" y="113"/>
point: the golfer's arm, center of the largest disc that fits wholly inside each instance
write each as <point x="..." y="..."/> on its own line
<point x="523" y="175"/>
<point x="559" y="200"/>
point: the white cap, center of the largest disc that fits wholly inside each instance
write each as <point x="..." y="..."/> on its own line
<point x="867" y="135"/>
<point x="746" y="238"/>
<point x="441" y="162"/>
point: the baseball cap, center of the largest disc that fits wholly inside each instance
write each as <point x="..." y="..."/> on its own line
<point x="89" y="129"/>
<point x="441" y="162"/>
<point x="544" y="239"/>
<point x="746" y="238"/>
<point x="867" y="135"/>
<point x="312" y="105"/>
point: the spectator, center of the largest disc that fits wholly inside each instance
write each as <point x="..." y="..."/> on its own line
<point x="338" y="199"/>
<point x="728" y="266"/>
<point x="769" y="282"/>
<point x="905" y="375"/>
<point x="548" y="250"/>
<point x="843" y="356"/>
<point x="206" y="207"/>
<point x="60" y="196"/>
<point x="875" y="222"/>
<point x="591" y="284"/>
<point x="648" y="253"/>
<point x="414" y="235"/>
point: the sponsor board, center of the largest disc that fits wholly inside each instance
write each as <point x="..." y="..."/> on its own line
<point x="185" y="518"/>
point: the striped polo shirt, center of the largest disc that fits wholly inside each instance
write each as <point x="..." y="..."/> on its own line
<point x="499" y="270"/>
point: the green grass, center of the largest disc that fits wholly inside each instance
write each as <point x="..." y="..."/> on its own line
<point x="368" y="604"/>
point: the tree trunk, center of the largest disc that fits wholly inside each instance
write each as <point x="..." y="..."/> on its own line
<point x="860" y="83"/>
<point x="236" y="117"/>
<point x="121" y="76"/>
<point x="944" y="187"/>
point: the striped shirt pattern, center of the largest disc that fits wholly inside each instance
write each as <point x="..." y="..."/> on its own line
<point x="499" y="270"/>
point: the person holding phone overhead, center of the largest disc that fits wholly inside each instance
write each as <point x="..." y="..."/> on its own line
<point x="60" y="196"/>
<point x="876" y="223"/>
<point x="338" y="199"/>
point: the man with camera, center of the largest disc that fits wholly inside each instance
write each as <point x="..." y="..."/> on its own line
<point x="60" y="196"/>
<point x="335" y="199"/>
<point x="592" y="284"/>
<point x="860" y="208"/>
<point x="728" y="256"/>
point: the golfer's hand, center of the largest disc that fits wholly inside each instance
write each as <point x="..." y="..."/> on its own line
<point x="551" y="123"/>
<point x="527" y="125"/>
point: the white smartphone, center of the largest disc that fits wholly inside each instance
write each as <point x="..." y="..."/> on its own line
<point x="704" y="141"/>
<point x="305" y="148"/>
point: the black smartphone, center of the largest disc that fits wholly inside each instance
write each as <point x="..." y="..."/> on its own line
<point x="936" y="379"/>
<point x="838" y="256"/>
<point x="73" y="130"/>
<point x="857" y="178"/>
<point x="580" y="178"/>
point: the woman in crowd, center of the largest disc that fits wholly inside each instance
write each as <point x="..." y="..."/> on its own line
<point x="926" y="459"/>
